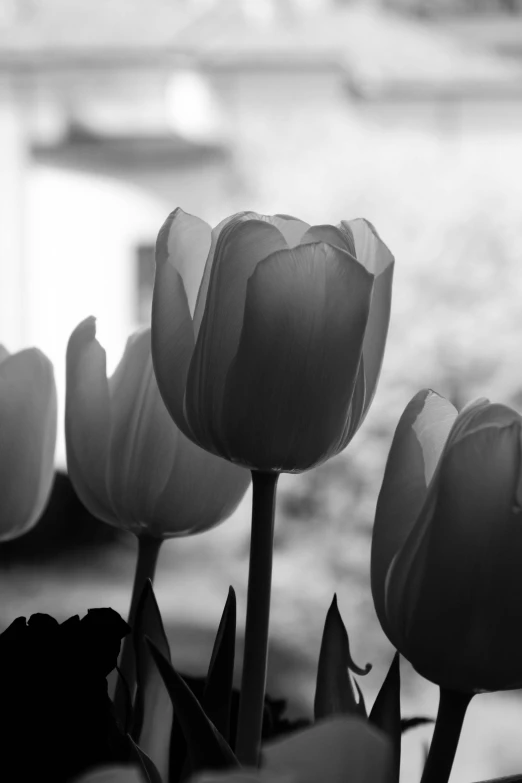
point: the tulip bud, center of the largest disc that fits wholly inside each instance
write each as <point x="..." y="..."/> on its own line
<point x="275" y="363"/>
<point x="28" y="425"/>
<point x="127" y="460"/>
<point x="447" y="544"/>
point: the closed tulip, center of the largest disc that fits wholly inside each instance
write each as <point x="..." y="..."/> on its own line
<point x="446" y="564"/>
<point x="127" y="460"/>
<point x="28" y="439"/>
<point x="274" y="361"/>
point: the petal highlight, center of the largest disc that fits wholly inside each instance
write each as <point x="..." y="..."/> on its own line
<point x="184" y="242"/>
<point x="370" y="250"/>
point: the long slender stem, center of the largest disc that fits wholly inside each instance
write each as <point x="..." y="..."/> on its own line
<point x="450" y="717"/>
<point x="253" y="683"/>
<point x="148" y="551"/>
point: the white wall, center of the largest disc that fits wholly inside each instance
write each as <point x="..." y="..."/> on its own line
<point x="81" y="234"/>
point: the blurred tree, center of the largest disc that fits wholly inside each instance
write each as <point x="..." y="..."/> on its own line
<point x="429" y="8"/>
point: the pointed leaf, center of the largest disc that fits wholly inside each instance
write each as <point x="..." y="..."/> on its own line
<point x="147" y="766"/>
<point x="207" y="748"/>
<point x="217" y="697"/>
<point x="412" y="723"/>
<point x="153" y="713"/>
<point x="335" y="692"/>
<point x="386" y="712"/>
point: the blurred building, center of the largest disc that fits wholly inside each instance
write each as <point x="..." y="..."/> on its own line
<point x="112" y="114"/>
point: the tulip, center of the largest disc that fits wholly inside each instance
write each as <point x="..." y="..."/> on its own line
<point x="28" y="424"/>
<point x="127" y="460"/>
<point x="330" y="751"/>
<point x="274" y="363"/>
<point x="446" y="555"/>
<point x="129" y="463"/>
<point x="447" y="544"/>
<point x="267" y="341"/>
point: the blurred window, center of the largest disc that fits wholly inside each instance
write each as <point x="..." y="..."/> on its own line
<point x="145" y="266"/>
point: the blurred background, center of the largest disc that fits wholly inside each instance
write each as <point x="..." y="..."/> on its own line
<point x="406" y="112"/>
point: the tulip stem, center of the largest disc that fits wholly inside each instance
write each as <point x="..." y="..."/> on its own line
<point x="450" y="717"/>
<point x="253" y="683"/>
<point x="148" y="551"/>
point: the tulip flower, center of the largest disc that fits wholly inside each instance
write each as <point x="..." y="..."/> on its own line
<point x="267" y="341"/>
<point x="28" y="425"/>
<point x="274" y="363"/>
<point x="130" y="464"/>
<point x="330" y="751"/>
<point x="447" y="544"/>
<point x="127" y="460"/>
<point x="446" y="555"/>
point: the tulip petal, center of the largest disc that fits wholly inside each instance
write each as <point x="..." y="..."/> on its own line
<point x="290" y="386"/>
<point x="28" y="413"/>
<point x="238" y="217"/>
<point x="334" y="750"/>
<point x="181" y="511"/>
<point x="356" y="407"/>
<point x="371" y="251"/>
<point x="475" y="537"/>
<point x="88" y="420"/>
<point x="184" y="242"/>
<point x="415" y="451"/>
<point x="172" y="340"/>
<point x="241" y="246"/>
<point x="143" y="439"/>
<point x="291" y="228"/>
<point x="113" y="774"/>
<point x="338" y="236"/>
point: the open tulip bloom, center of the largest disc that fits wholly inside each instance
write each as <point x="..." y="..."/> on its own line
<point x="268" y="334"/>
<point x="129" y="463"/>
<point x="447" y="544"/>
